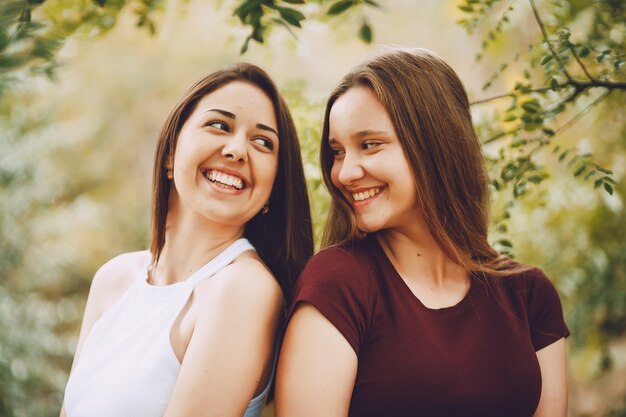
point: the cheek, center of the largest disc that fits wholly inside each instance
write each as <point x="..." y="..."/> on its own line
<point x="267" y="176"/>
<point x="334" y="174"/>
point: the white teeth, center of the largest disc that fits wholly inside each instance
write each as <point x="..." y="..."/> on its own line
<point x="225" y="179"/>
<point x="364" y="195"/>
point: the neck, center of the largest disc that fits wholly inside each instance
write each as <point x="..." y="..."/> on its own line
<point x="188" y="246"/>
<point x="417" y="257"/>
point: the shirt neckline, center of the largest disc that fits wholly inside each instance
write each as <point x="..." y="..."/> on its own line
<point x="395" y="279"/>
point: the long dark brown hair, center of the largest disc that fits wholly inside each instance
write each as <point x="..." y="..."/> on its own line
<point x="429" y="110"/>
<point x="283" y="237"/>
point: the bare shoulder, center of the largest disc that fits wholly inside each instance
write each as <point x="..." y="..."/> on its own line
<point x="114" y="277"/>
<point x="245" y="281"/>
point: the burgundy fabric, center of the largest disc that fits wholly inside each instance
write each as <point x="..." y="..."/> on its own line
<point x="476" y="358"/>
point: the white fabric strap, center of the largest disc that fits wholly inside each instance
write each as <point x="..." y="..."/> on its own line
<point x="220" y="261"/>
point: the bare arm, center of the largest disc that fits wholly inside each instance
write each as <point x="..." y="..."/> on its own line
<point x="317" y="368"/>
<point x="232" y="347"/>
<point x="552" y="362"/>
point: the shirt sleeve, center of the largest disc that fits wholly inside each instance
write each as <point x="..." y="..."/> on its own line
<point x="336" y="283"/>
<point x="545" y="313"/>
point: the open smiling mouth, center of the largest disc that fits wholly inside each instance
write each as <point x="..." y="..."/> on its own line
<point x="224" y="180"/>
<point x="366" y="195"/>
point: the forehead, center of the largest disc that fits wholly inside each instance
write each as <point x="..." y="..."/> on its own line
<point x="358" y="109"/>
<point x="241" y="98"/>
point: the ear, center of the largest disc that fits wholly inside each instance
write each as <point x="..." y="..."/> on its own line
<point x="169" y="163"/>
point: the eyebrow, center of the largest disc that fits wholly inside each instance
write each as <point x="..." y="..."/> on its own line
<point x="363" y="133"/>
<point x="234" y="117"/>
<point x="224" y="112"/>
<point x="369" y="132"/>
<point x="264" y="127"/>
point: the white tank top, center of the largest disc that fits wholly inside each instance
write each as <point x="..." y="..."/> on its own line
<point x="127" y="367"/>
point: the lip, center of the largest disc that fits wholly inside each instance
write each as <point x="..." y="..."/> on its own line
<point x="363" y="203"/>
<point x="246" y="182"/>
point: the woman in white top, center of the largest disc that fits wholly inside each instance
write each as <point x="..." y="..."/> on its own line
<point x="189" y="328"/>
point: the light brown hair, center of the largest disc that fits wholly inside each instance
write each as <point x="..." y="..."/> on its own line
<point x="429" y="110"/>
<point x="283" y="237"/>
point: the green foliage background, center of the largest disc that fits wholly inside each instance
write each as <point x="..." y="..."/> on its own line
<point x="85" y="86"/>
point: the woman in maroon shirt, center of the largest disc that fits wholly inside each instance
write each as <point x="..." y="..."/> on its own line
<point x="409" y="311"/>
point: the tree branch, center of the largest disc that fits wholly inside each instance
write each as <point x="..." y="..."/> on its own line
<point x="501" y="135"/>
<point x="577" y="58"/>
<point x="579" y="87"/>
<point x="544" y="34"/>
<point x="569" y="123"/>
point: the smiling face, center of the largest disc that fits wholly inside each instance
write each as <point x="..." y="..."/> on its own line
<point x="369" y="167"/>
<point x="226" y="156"/>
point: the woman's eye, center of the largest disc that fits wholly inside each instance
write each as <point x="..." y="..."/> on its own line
<point x="264" y="142"/>
<point x="217" y="124"/>
<point x="337" y="153"/>
<point x="370" y="145"/>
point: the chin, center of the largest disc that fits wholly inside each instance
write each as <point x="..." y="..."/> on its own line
<point x="368" y="227"/>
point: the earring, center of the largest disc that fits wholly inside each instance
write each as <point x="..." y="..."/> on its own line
<point x="266" y="207"/>
<point x="169" y="173"/>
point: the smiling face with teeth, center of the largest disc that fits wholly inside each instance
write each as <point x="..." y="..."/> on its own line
<point x="226" y="156"/>
<point x="370" y="168"/>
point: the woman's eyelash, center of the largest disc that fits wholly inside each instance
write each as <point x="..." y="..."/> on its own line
<point x="265" y="142"/>
<point x="218" y="124"/>
<point x="370" y="145"/>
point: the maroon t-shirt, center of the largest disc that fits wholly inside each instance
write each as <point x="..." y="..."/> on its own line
<point x="476" y="358"/>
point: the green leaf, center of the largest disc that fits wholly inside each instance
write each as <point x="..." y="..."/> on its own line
<point x="564" y="154"/>
<point x="598" y="183"/>
<point x="25" y="16"/>
<point x="554" y="84"/>
<point x="519" y="189"/>
<point x="535" y="179"/>
<point x="365" y="32"/>
<point x="531" y="106"/>
<point x="291" y="16"/>
<point x="246" y="8"/>
<point x="580" y="170"/>
<point x="605" y="171"/>
<point x="466" y="8"/>
<point x="546" y="59"/>
<point x="608" y="188"/>
<point x="584" y="51"/>
<point x="294" y="1"/>
<point x="589" y="175"/>
<point x="509" y="172"/>
<point x="340" y="7"/>
<point x="373" y="3"/>
<point x="100" y="3"/>
<point x="506" y="243"/>
<point x="245" y="45"/>
<point x="510" y="117"/>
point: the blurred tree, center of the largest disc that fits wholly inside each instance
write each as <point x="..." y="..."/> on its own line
<point x="557" y="62"/>
<point x="33" y="31"/>
<point x="569" y="66"/>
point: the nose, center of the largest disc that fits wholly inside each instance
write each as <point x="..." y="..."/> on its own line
<point x="235" y="148"/>
<point x="350" y="169"/>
